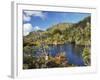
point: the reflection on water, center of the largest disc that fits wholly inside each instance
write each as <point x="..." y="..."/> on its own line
<point x="73" y="53"/>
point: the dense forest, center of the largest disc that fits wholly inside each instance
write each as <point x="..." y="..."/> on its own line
<point x="62" y="33"/>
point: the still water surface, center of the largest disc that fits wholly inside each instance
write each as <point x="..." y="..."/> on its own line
<point x="73" y="52"/>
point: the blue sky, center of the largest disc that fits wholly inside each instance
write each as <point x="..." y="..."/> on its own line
<point x="35" y="20"/>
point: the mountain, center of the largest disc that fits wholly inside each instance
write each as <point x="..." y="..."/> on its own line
<point x="83" y="23"/>
<point x="79" y="33"/>
<point x="60" y="26"/>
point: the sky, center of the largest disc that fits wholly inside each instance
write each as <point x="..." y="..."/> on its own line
<point x="41" y="20"/>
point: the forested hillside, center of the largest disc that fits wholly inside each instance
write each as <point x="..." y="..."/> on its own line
<point x="78" y="33"/>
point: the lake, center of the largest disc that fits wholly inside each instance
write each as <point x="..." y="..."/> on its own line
<point x="73" y="52"/>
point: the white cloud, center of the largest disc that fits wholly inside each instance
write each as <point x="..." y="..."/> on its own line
<point x="26" y="18"/>
<point x="27" y="28"/>
<point x="28" y="14"/>
<point x="36" y="28"/>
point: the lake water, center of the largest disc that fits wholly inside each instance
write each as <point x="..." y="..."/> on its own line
<point x="73" y="53"/>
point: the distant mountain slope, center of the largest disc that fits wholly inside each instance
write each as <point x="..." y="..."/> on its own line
<point x="60" y="26"/>
<point x="83" y="22"/>
<point x="63" y="26"/>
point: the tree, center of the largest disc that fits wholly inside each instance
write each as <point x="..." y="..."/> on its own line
<point x="27" y="50"/>
<point x="86" y="56"/>
<point x="57" y="31"/>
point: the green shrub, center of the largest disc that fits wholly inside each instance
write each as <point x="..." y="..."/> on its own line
<point x="86" y="56"/>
